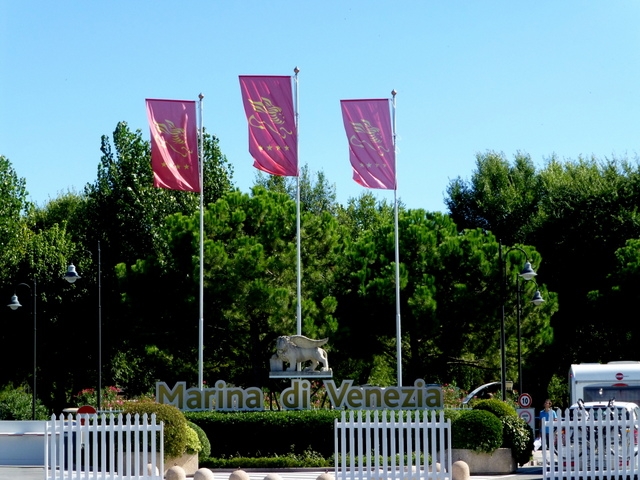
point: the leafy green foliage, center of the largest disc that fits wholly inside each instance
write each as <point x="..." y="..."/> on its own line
<point x="175" y="424"/>
<point x="109" y="398"/>
<point x="13" y="208"/>
<point x="568" y="210"/>
<point x="149" y="240"/>
<point x="250" y="277"/>
<point x="499" y="408"/>
<point x="477" y="430"/>
<point x="16" y="404"/>
<point x="193" y="441"/>
<point x="518" y="436"/>
<point x="306" y="459"/>
<point x="244" y="433"/>
<point x="205" y="445"/>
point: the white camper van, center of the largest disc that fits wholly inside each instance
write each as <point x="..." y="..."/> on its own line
<point x="595" y="382"/>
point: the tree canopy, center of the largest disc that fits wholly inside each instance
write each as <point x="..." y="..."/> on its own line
<point x="582" y="216"/>
<point x="145" y="243"/>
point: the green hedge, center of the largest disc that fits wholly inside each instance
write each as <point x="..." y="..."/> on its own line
<point x="286" y="433"/>
<point x="267" y="433"/>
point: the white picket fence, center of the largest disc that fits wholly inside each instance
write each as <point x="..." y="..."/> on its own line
<point x="392" y="445"/>
<point x="586" y="447"/>
<point x="113" y="447"/>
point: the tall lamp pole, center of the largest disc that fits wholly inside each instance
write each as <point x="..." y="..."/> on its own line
<point x="527" y="273"/>
<point x="14" y="305"/>
<point x="71" y="276"/>
<point x="536" y="300"/>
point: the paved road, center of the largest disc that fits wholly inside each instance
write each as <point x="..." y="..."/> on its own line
<point x="37" y="473"/>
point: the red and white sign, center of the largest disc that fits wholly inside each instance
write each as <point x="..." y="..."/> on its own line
<point x="85" y="410"/>
<point x="525" y="400"/>
<point x="528" y="415"/>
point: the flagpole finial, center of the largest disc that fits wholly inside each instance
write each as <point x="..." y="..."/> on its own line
<point x="201" y="96"/>
<point x="393" y="92"/>
<point x="296" y="70"/>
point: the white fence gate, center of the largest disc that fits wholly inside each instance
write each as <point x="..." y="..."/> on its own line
<point x="588" y="447"/>
<point x="104" y="447"/>
<point x="392" y="445"/>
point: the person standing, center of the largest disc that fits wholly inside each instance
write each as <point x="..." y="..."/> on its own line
<point x="549" y="415"/>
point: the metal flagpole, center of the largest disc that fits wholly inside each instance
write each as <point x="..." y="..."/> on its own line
<point x="299" y="274"/>
<point x="201" y="319"/>
<point x="395" y="200"/>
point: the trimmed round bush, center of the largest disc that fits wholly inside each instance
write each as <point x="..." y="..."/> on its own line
<point x="499" y="408"/>
<point x="175" y="424"/>
<point x="477" y="430"/>
<point x="193" y="442"/>
<point x="204" y="440"/>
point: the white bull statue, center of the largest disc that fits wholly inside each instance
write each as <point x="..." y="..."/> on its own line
<point x="299" y="349"/>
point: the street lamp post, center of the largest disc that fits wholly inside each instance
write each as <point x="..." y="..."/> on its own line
<point x="71" y="276"/>
<point x="14" y="305"/>
<point x="536" y="300"/>
<point x="527" y="273"/>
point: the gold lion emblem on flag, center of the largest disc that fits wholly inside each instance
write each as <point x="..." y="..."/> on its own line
<point x="176" y="137"/>
<point x="265" y="105"/>
<point x="374" y="140"/>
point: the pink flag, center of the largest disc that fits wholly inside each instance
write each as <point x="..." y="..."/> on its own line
<point x="368" y="127"/>
<point x="174" y="144"/>
<point x="273" y="137"/>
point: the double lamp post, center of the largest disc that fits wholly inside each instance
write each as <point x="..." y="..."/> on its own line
<point x="70" y="276"/>
<point x="526" y="274"/>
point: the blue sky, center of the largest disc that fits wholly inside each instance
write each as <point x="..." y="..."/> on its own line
<point x="540" y="77"/>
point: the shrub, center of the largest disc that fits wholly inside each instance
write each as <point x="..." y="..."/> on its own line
<point x="477" y="430"/>
<point x="307" y="459"/>
<point x="204" y="440"/>
<point x="16" y="404"/>
<point x="499" y="408"/>
<point x="175" y="424"/>
<point x="244" y="433"/>
<point x="452" y="413"/>
<point x="109" y="399"/>
<point x="193" y="442"/>
<point x="516" y="433"/>
<point x="517" y="436"/>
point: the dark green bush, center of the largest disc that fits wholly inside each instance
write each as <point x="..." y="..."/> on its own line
<point x="451" y="413"/>
<point x="516" y="433"/>
<point x="499" y="408"/>
<point x="267" y="433"/>
<point x="286" y="435"/>
<point x="204" y="440"/>
<point x="175" y="424"/>
<point x="477" y="430"/>
<point x="16" y="404"/>
<point x="517" y="436"/>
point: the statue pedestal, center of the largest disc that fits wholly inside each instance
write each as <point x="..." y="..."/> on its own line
<point x="286" y="374"/>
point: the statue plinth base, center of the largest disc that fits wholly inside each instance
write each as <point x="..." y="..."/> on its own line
<point x="303" y="374"/>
